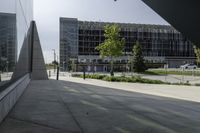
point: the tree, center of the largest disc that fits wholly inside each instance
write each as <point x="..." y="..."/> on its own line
<point x="55" y="62"/>
<point x="113" y="45"/>
<point x="197" y="53"/>
<point x="138" y="64"/>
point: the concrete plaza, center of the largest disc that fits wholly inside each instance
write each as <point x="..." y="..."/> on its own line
<point x="73" y="107"/>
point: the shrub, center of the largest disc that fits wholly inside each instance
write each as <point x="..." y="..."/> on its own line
<point x="188" y="84"/>
<point x="133" y="79"/>
<point x="197" y="84"/>
<point x="96" y="76"/>
<point x="92" y="76"/>
<point x="111" y="78"/>
<point x="76" y="75"/>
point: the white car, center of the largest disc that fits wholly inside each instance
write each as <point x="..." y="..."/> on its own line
<point x="188" y="66"/>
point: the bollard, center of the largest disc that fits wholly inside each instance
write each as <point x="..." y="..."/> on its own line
<point x="84" y="72"/>
<point x="49" y="73"/>
<point x="57" y="73"/>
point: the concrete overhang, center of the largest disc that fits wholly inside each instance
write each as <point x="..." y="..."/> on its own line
<point x="184" y="15"/>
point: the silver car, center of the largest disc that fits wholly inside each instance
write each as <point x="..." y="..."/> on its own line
<point x="188" y="66"/>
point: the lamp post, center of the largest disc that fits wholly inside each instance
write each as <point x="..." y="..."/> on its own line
<point x="54" y="60"/>
<point x="58" y="68"/>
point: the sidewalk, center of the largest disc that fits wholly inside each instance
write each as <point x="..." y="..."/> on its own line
<point x="67" y="107"/>
<point x="190" y="93"/>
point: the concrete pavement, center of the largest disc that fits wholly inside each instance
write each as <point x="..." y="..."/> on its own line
<point x="165" y="78"/>
<point x="69" y="107"/>
<point x="174" y="78"/>
<point x="190" y="93"/>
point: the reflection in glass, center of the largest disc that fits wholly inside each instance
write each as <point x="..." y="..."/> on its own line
<point x="15" y="18"/>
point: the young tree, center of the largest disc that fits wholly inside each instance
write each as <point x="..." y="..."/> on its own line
<point x="55" y="62"/>
<point x="197" y="53"/>
<point x="138" y="64"/>
<point x="113" y="45"/>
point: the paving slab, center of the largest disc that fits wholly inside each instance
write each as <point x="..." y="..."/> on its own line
<point x="190" y="93"/>
<point x="68" y="107"/>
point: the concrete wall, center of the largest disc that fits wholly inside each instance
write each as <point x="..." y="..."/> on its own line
<point x="9" y="96"/>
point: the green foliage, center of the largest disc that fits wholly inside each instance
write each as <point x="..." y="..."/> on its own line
<point x="69" y="66"/>
<point x="113" y="45"/>
<point x="49" y="66"/>
<point x="197" y="84"/>
<point x="76" y="75"/>
<point x="55" y="62"/>
<point x="197" y="53"/>
<point x="133" y="79"/>
<point x="171" y="72"/>
<point x="111" y="78"/>
<point x="186" y="84"/>
<point x="95" y="76"/>
<point x="138" y="64"/>
<point x="92" y="76"/>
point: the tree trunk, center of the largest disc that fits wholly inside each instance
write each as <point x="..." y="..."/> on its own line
<point x="131" y="66"/>
<point x="111" y="66"/>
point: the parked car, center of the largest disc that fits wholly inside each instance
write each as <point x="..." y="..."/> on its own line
<point x="188" y="66"/>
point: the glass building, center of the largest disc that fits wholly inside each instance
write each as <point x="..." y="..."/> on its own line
<point x="15" y="19"/>
<point x="162" y="44"/>
<point x="8" y="46"/>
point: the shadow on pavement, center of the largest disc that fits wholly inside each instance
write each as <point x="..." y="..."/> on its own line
<point x="61" y="106"/>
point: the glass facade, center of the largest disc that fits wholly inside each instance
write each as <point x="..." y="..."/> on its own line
<point x="15" y="18"/>
<point x="68" y="39"/>
<point x="156" y="40"/>
<point x="161" y="43"/>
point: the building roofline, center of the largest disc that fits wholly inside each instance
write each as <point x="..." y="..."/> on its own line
<point x="6" y="14"/>
<point x="107" y="22"/>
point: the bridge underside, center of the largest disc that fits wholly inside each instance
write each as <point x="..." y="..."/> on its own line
<point x="181" y="14"/>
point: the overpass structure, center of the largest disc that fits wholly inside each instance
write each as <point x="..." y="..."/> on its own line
<point x="181" y="14"/>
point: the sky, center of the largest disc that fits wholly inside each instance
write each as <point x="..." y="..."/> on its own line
<point x="48" y="12"/>
<point x="7" y="6"/>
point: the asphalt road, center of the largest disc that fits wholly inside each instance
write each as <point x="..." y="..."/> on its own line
<point x="67" y="107"/>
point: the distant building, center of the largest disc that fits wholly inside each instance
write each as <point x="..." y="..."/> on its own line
<point x="161" y="45"/>
<point x="8" y="42"/>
